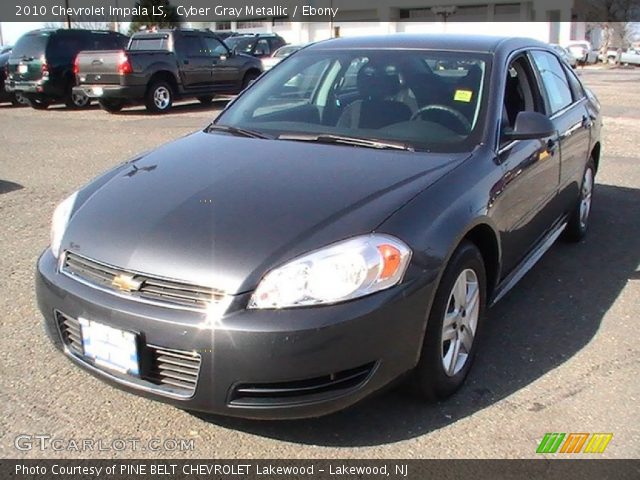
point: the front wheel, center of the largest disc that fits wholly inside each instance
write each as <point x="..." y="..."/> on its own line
<point x="38" y="104"/>
<point x="77" y="100"/>
<point x="579" y="221"/>
<point x="205" y="99"/>
<point x="159" y="97"/>
<point x="453" y="325"/>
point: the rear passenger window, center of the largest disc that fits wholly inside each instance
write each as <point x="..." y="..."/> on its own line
<point x="554" y="80"/>
<point x="576" y="87"/>
<point x="190" y="46"/>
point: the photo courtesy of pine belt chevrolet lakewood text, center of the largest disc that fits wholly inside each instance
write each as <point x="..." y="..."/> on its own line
<point x="345" y="222"/>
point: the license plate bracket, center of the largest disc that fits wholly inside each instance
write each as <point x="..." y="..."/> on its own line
<point x="110" y="347"/>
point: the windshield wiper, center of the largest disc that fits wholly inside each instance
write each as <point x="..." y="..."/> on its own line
<point x="345" y="140"/>
<point x="241" y="132"/>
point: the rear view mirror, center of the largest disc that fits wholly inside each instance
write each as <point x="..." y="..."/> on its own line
<point x="529" y="126"/>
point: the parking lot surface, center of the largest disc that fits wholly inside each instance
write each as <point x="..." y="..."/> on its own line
<point x="561" y="353"/>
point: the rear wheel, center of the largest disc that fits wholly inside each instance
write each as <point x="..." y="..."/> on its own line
<point x="579" y="220"/>
<point x="19" y="99"/>
<point x="159" y="97"/>
<point x="248" y="78"/>
<point x="111" y="105"/>
<point x="205" y="99"/>
<point x="453" y="325"/>
<point x="77" y="100"/>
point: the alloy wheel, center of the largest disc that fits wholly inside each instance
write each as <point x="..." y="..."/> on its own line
<point x="460" y="322"/>
<point x="162" y="97"/>
<point x="585" y="197"/>
<point x="79" y="99"/>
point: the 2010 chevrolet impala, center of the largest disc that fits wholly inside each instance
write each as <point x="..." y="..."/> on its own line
<point x="345" y="221"/>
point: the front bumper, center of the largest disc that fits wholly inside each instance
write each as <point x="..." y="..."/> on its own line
<point x="123" y="92"/>
<point x="273" y="364"/>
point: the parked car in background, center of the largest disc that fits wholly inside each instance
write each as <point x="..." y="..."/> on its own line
<point x="583" y="53"/>
<point x="565" y="54"/>
<point x="629" y="56"/>
<point x="15" y="99"/>
<point x="158" y="67"/>
<point x="224" y="34"/>
<point x="327" y="234"/>
<point x="279" y="55"/>
<point x="41" y="64"/>
<point x="258" y="45"/>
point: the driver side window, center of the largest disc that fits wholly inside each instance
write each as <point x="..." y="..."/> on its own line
<point x="520" y="93"/>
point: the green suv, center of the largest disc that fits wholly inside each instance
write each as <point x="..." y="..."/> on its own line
<point x="41" y="65"/>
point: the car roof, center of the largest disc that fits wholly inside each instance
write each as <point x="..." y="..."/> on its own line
<point x="452" y="42"/>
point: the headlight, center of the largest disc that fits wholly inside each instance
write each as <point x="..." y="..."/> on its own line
<point x="59" y="222"/>
<point x="342" y="271"/>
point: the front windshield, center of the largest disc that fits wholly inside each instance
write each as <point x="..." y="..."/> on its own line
<point x="427" y="100"/>
<point x="285" y="51"/>
<point x="241" y="44"/>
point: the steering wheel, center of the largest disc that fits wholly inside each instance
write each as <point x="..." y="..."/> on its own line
<point x="462" y="120"/>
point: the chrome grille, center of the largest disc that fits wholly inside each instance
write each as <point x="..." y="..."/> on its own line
<point x="70" y="332"/>
<point x="153" y="289"/>
<point x="176" y="370"/>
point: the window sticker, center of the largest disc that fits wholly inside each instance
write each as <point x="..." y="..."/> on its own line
<point x="463" y="96"/>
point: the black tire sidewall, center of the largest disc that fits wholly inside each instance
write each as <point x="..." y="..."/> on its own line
<point x="111" y="106"/>
<point x="38" y="104"/>
<point x="248" y="78"/>
<point x="431" y="380"/>
<point x="149" y="102"/>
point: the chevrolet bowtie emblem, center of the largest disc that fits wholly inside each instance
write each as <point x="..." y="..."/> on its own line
<point x="126" y="283"/>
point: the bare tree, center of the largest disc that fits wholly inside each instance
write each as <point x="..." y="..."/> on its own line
<point x="614" y="18"/>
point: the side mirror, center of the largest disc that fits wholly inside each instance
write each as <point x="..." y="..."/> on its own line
<point x="530" y="126"/>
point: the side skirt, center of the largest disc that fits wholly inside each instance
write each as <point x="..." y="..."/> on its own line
<point x="529" y="261"/>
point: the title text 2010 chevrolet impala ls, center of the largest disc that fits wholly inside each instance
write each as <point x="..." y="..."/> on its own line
<point x="344" y="221"/>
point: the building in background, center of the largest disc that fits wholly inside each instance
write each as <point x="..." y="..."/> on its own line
<point x="553" y="21"/>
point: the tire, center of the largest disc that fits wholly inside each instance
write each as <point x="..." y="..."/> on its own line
<point x="38" y="104"/>
<point x="19" y="99"/>
<point x="579" y="220"/>
<point x="248" y="78"/>
<point x="436" y="376"/>
<point x="110" y="105"/>
<point x="76" y="101"/>
<point x="205" y="99"/>
<point x="159" y="97"/>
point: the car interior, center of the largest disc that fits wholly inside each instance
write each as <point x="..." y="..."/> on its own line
<point x="520" y="93"/>
<point x="404" y="97"/>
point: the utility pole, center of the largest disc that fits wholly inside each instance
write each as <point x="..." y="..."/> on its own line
<point x="66" y="4"/>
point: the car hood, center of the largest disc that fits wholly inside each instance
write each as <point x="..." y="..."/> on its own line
<point x="219" y="211"/>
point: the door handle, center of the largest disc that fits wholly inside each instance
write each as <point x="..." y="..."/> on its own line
<point x="587" y="121"/>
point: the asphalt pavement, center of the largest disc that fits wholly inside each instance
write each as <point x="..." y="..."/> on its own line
<point x="560" y="353"/>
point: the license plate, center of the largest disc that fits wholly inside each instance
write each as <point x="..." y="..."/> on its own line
<point x="97" y="91"/>
<point x="110" y="347"/>
<point x="23" y="69"/>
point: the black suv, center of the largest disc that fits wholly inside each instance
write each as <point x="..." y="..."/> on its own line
<point x="258" y="45"/>
<point x="41" y="64"/>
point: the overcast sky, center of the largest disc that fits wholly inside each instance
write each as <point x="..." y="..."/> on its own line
<point x="11" y="31"/>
